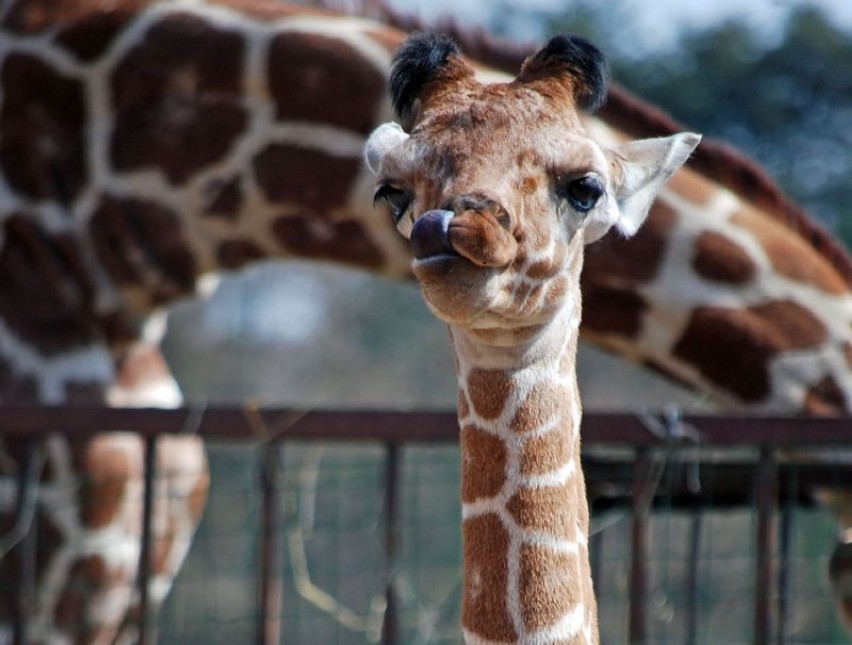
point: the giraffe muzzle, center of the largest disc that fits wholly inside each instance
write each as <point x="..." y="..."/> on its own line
<point x="430" y="235"/>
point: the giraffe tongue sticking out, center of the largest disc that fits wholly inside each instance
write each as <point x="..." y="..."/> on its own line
<point x="498" y="189"/>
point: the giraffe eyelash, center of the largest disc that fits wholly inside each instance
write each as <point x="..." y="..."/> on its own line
<point x="398" y="201"/>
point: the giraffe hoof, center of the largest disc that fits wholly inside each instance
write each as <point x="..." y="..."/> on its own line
<point x="429" y="235"/>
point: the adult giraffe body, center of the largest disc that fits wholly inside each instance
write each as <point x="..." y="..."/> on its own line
<point x="144" y="145"/>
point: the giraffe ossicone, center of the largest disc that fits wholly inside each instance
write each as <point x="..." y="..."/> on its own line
<point x="498" y="187"/>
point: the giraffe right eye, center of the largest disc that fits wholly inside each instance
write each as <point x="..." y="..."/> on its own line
<point x="397" y="200"/>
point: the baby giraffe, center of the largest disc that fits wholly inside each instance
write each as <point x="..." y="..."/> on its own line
<point x="498" y="189"/>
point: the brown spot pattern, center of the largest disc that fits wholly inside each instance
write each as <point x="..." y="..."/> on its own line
<point x="343" y="241"/>
<point x="826" y="398"/>
<point x="141" y="244"/>
<point x="311" y="179"/>
<point x="549" y="586"/>
<point x="730" y="348"/>
<point x="107" y="471"/>
<point x="42" y="149"/>
<point x="176" y="98"/>
<point x="485" y="545"/>
<point x="89" y="38"/>
<point x="545" y="403"/>
<point x="483" y="464"/>
<point x="614" y="260"/>
<point x="795" y="326"/>
<point x="488" y="392"/>
<point x="790" y="255"/>
<point x="45" y="298"/>
<point x="717" y="258"/>
<point x="548" y="509"/>
<point x="224" y="199"/>
<point x="612" y="310"/>
<point x="306" y="83"/>
<point x="546" y="453"/>
<point x="232" y="254"/>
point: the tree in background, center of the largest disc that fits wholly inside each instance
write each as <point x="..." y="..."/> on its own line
<point x="785" y="100"/>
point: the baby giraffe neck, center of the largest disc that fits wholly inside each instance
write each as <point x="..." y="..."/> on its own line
<point x="527" y="577"/>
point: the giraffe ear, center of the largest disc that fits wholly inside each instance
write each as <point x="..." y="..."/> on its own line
<point x="645" y="165"/>
<point x="382" y="140"/>
<point x="574" y="60"/>
<point x="420" y="60"/>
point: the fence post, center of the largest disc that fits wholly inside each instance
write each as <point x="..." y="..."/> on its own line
<point x="766" y="495"/>
<point x="642" y="497"/>
<point x="26" y="531"/>
<point x="390" y="627"/>
<point x="144" y="576"/>
<point x="270" y="591"/>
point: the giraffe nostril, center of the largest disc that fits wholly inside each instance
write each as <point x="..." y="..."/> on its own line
<point x="429" y="235"/>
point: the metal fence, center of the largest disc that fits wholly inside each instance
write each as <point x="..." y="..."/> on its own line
<point x="769" y="464"/>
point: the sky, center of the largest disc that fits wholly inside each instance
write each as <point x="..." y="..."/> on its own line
<point x="661" y="20"/>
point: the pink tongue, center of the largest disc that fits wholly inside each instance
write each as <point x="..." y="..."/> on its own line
<point x="429" y="234"/>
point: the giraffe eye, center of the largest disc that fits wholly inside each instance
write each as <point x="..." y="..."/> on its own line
<point x="583" y="193"/>
<point x="397" y="200"/>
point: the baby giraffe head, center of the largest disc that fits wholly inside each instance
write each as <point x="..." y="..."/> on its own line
<point x="498" y="187"/>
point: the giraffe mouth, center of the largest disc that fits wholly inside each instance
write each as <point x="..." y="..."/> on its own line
<point x="430" y="237"/>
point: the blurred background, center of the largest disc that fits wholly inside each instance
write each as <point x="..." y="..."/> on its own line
<point x="771" y="77"/>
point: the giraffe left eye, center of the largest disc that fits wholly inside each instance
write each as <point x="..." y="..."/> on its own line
<point x="397" y="200"/>
<point x="583" y="193"/>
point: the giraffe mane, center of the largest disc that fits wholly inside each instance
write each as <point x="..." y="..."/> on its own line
<point x="714" y="159"/>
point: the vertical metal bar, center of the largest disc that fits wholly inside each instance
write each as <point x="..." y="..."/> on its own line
<point x="784" y="570"/>
<point x="643" y="493"/>
<point x="144" y="575"/>
<point x="692" y="577"/>
<point x="766" y="495"/>
<point x="26" y="517"/>
<point x="390" y="627"/>
<point x="270" y="584"/>
<point x="596" y="558"/>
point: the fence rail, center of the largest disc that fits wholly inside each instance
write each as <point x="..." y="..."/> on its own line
<point x="632" y="445"/>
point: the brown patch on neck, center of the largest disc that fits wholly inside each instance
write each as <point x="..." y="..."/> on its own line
<point x="304" y="81"/>
<point x="552" y="510"/>
<point x="177" y="98"/>
<point x="233" y="254"/>
<point x="718" y="259"/>
<point x="141" y="244"/>
<point x="46" y="299"/>
<point x="223" y="198"/>
<point x="790" y="255"/>
<point x="550" y="586"/>
<point x="89" y="38"/>
<point x="33" y="16"/>
<point x="729" y="348"/>
<point x="42" y="125"/>
<point x="732" y="348"/>
<point x="344" y="241"/>
<point x="483" y="464"/>
<point x="615" y="259"/>
<point x="311" y="179"/>
<point x="794" y="326"/>
<point x="488" y="392"/>
<point x="484" y="606"/>
<point x="545" y="403"/>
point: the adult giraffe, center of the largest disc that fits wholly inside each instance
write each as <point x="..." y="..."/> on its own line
<point x="146" y="144"/>
<point x="499" y="188"/>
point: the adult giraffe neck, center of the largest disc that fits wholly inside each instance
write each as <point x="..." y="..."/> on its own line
<point x="527" y="577"/>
